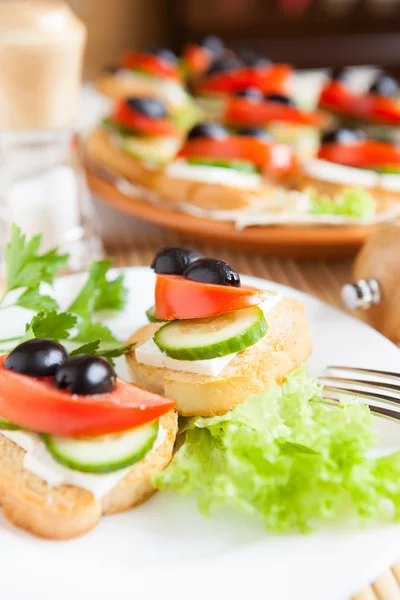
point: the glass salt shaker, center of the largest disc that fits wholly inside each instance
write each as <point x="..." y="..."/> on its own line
<point x="41" y="182"/>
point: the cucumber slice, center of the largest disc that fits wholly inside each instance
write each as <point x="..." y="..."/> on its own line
<point x="152" y="149"/>
<point x="200" y="339"/>
<point x="5" y="424"/>
<point x="244" y="166"/>
<point x="387" y="169"/>
<point x="150" y="314"/>
<point x="103" y="454"/>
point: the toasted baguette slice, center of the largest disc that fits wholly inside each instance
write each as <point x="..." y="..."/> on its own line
<point x="172" y="190"/>
<point x="118" y="87"/>
<point x="67" y="511"/>
<point x="286" y="346"/>
<point x="385" y="199"/>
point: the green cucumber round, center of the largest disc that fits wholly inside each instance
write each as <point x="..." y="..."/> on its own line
<point x="5" y="424"/>
<point x="201" y="339"/>
<point x="103" y="454"/>
<point x="245" y="166"/>
<point x="150" y="314"/>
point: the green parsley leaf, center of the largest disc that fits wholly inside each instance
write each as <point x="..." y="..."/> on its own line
<point x="98" y="293"/>
<point x="50" y="324"/>
<point x="89" y="348"/>
<point x="33" y="300"/>
<point x="25" y="267"/>
<point x="109" y="354"/>
<point x="112" y="296"/>
<point x="88" y="331"/>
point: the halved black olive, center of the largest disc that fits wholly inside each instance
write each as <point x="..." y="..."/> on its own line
<point x="252" y="93"/>
<point x="173" y="261"/>
<point x="150" y="107"/>
<point x="224" y="64"/>
<point x="343" y="136"/>
<point x="212" y="43"/>
<point x="385" y="85"/>
<point x="85" y="374"/>
<point x="257" y="132"/>
<point x="212" y="270"/>
<point x="39" y="357"/>
<point x="163" y="53"/>
<point x="208" y="130"/>
<point x="280" y="99"/>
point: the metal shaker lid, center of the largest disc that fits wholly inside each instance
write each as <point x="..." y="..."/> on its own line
<point x="41" y="51"/>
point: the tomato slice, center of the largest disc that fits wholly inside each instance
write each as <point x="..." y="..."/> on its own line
<point x="154" y="65"/>
<point x="197" y="59"/>
<point x="126" y="116"/>
<point x="274" y="159"/>
<point x="270" y="79"/>
<point x="34" y="403"/>
<point x="368" y="153"/>
<point x="244" y="111"/>
<point x="338" y="98"/>
<point x="181" y="298"/>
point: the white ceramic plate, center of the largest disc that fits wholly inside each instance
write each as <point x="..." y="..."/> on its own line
<point x="140" y="550"/>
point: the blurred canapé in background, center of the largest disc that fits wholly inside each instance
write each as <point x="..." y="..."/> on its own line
<point x="307" y="33"/>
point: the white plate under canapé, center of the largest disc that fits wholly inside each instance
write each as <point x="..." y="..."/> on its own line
<point x="166" y="545"/>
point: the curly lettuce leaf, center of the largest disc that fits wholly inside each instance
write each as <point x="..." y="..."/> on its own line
<point x="288" y="457"/>
<point x="350" y="203"/>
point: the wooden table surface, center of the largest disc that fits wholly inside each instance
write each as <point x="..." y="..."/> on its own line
<point x="131" y="242"/>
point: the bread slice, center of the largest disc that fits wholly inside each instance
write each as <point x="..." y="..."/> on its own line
<point x="67" y="511"/>
<point x="286" y="346"/>
<point x="121" y="87"/>
<point x="171" y="190"/>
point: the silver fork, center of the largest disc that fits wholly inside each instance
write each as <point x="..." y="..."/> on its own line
<point x="380" y="390"/>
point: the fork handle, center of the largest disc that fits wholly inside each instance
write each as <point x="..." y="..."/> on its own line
<point x="379" y="260"/>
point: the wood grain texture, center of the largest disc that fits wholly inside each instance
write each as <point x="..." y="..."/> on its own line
<point x="320" y="278"/>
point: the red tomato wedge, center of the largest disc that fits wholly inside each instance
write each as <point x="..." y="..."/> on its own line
<point x="197" y="60"/>
<point x="275" y="159"/>
<point x="338" y="98"/>
<point x="270" y="79"/>
<point x="181" y="298"/>
<point x="154" y="65"/>
<point x="34" y="403"/>
<point x="126" y="116"/>
<point x="368" y="153"/>
<point x="243" y="111"/>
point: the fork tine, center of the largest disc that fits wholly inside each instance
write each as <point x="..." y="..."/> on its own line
<point x="378" y="411"/>
<point x="388" y="400"/>
<point x="380" y="373"/>
<point x="372" y="389"/>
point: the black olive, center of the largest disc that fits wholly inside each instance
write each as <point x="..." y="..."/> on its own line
<point x="385" y="85"/>
<point x="339" y="74"/>
<point x="252" y="93"/>
<point x="86" y="374"/>
<point x="214" y="131"/>
<point x="257" y="132"/>
<point x="343" y="136"/>
<point x="212" y="270"/>
<point x="150" y="107"/>
<point x="251" y="59"/>
<point x="280" y="99"/>
<point x="38" y="357"/>
<point x="163" y="53"/>
<point x="173" y="261"/>
<point x="224" y="64"/>
<point x="212" y="43"/>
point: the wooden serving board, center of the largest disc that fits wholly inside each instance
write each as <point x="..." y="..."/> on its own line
<point x="291" y="241"/>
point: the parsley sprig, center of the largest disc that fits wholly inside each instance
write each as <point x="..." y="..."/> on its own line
<point x="26" y="269"/>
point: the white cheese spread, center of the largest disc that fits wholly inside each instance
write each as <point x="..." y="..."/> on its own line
<point x="150" y="354"/>
<point x="39" y="462"/>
